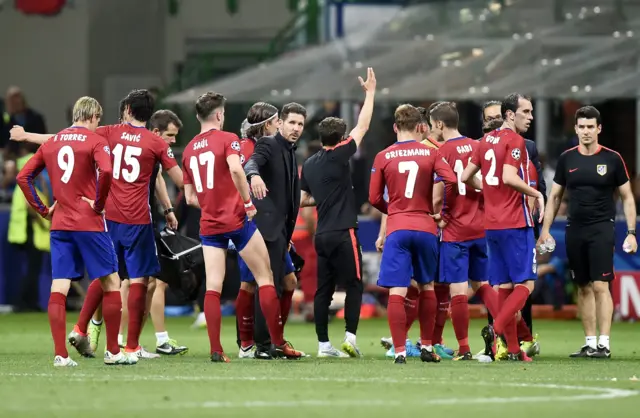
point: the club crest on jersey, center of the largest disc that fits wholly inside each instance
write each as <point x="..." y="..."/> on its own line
<point x="235" y="145"/>
<point x="602" y="169"/>
<point x="107" y="150"/>
<point x="515" y="153"/>
<point x="170" y="153"/>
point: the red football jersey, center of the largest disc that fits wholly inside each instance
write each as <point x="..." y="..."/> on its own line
<point x="204" y="163"/>
<point x="134" y="152"/>
<point x="78" y="164"/>
<point x="504" y="207"/>
<point x="247" y="145"/>
<point x="407" y="170"/>
<point x="467" y="208"/>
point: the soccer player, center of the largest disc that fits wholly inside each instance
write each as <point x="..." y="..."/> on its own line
<point x="503" y="159"/>
<point x="79" y="239"/>
<point x="492" y="119"/>
<point x="165" y="124"/>
<point x="326" y="182"/>
<point x="135" y="152"/>
<point x="213" y="157"/>
<point x="592" y="174"/>
<point x="407" y="169"/>
<point x="463" y="250"/>
<point x="262" y="120"/>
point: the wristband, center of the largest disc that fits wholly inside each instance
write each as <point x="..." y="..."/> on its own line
<point x="249" y="207"/>
<point x="631" y="232"/>
<point x="168" y="211"/>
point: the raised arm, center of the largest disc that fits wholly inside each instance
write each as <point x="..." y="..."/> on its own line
<point x="261" y="155"/>
<point x="18" y="134"/>
<point x="364" y="120"/>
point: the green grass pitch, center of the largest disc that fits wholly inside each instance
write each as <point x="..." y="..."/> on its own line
<point x="191" y="386"/>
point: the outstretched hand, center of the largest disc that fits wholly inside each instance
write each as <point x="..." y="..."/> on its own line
<point x="369" y="85"/>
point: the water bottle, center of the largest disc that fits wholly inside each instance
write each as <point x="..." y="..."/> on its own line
<point x="626" y="247"/>
<point x="550" y="245"/>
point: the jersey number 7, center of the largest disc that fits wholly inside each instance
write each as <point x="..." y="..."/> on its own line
<point x="412" y="168"/>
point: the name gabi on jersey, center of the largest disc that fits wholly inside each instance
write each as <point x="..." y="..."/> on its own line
<point x="70" y="137"/>
<point x="425" y="152"/>
<point x="202" y="144"/>
<point x="131" y="137"/>
<point x="463" y="149"/>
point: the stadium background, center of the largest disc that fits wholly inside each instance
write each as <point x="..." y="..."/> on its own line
<point x="565" y="53"/>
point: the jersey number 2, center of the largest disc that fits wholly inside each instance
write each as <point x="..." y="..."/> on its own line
<point x="491" y="178"/>
<point x="130" y="154"/>
<point x="208" y="160"/>
<point x="412" y="168"/>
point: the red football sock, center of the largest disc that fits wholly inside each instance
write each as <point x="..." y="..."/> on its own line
<point x="58" y="322"/>
<point x="489" y="297"/>
<point x="136" y="305"/>
<point x="508" y="309"/>
<point x="285" y="305"/>
<point x="213" y="315"/>
<point x="270" y="306"/>
<point x="460" y="319"/>
<point x="524" y="334"/>
<point x="427" y="309"/>
<point x="90" y="305"/>
<point x="442" y="295"/>
<point x="411" y="306"/>
<point x="111" y="312"/>
<point x="397" y="322"/>
<point x="244" y="313"/>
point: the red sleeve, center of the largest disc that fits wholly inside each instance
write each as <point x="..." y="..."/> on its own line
<point x="186" y="171"/>
<point x="167" y="158"/>
<point x="102" y="159"/>
<point x="444" y="171"/>
<point x="475" y="156"/>
<point x="232" y="146"/>
<point x="515" y="151"/>
<point x="25" y="180"/>
<point x="376" y="186"/>
<point x="104" y="131"/>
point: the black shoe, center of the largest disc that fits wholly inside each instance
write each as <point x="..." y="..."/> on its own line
<point x="464" y="357"/>
<point x="286" y="351"/>
<point x="219" y="358"/>
<point x="585" y="351"/>
<point x="169" y="349"/>
<point x="601" y="352"/>
<point x="489" y="337"/>
<point x="428" y="356"/>
<point x="262" y="354"/>
<point x="400" y="360"/>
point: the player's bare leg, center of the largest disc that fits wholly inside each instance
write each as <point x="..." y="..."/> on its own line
<point x="245" y="310"/>
<point x="124" y="295"/>
<point x="604" y="316"/>
<point x="57" y="313"/>
<point x="215" y="267"/>
<point x="257" y="258"/>
<point x="155" y="305"/>
<point x="588" y="314"/>
<point x="136" y="304"/>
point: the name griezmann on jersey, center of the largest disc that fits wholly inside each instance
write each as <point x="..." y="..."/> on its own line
<point x="412" y="152"/>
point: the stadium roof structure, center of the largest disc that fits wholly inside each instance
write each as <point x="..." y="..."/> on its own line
<point x="463" y="50"/>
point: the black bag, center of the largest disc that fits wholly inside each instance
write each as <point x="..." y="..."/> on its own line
<point x="181" y="262"/>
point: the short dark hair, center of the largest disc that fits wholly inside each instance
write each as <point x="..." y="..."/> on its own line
<point x="140" y="103"/>
<point x="258" y="114"/>
<point x="161" y="120"/>
<point x="331" y="131"/>
<point x="489" y="104"/>
<point x="295" y="108"/>
<point x="511" y="102"/>
<point x="588" y="112"/>
<point x="492" y="125"/>
<point x="407" y="117"/>
<point x="426" y="115"/>
<point x="447" y="113"/>
<point x="208" y="103"/>
<point x="121" y="107"/>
